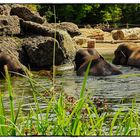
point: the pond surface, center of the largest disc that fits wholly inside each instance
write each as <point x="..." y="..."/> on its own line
<point x="118" y="90"/>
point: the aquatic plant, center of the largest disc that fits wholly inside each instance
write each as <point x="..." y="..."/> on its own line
<point x="65" y="115"/>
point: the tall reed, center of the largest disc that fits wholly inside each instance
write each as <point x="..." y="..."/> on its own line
<point x="54" y="49"/>
<point x="3" y="130"/>
<point x="11" y="100"/>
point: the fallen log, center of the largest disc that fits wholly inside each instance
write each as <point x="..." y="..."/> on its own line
<point x="117" y="41"/>
<point x="92" y="33"/>
<point x="126" y="34"/>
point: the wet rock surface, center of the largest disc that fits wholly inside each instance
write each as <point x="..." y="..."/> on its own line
<point x="31" y="38"/>
<point x="5" y="10"/>
<point x="39" y="52"/>
<point x="70" y="27"/>
<point x="9" y="25"/>
<point x="9" y="55"/>
<point x="26" y="14"/>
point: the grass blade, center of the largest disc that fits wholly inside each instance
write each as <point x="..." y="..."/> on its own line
<point x="3" y="129"/>
<point x="10" y="92"/>
<point x="114" y="120"/>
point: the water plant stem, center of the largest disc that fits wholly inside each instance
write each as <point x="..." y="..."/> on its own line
<point x="54" y="48"/>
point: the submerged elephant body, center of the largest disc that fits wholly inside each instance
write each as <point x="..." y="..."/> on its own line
<point x="10" y="62"/>
<point x="98" y="67"/>
<point x="127" y="55"/>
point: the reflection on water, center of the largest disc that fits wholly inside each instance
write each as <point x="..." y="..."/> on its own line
<point x="113" y="88"/>
<point x="117" y="90"/>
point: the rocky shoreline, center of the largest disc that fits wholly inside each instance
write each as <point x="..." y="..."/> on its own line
<point x="28" y="39"/>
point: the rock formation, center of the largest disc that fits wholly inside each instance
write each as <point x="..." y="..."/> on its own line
<point x="28" y="39"/>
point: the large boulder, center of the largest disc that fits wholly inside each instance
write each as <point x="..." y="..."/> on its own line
<point x="69" y="45"/>
<point x="38" y="52"/>
<point x="10" y="45"/>
<point x="9" y="55"/>
<point x="70" y="27"/>
<point x="29" y="28"/>
<point x="5" y="9"/>
<point x="26" y="14"/>
<point x="9" y="25"/>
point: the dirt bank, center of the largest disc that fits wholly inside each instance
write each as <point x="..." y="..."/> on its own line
<point x="108" y="48"/>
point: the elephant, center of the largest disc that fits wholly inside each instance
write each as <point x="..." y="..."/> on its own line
<point x="11" y="62"/>
<point x="127" y="54"/>
<point x="99" y="66"/>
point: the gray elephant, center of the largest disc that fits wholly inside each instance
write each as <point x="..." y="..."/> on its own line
<point x="127" y="54"/>
<point x="99" y="66"/>
<point x="11" y="63"/>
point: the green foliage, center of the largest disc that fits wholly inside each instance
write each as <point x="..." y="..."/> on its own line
<point x="47" y="11"/>
<point x="92" y="13"/>
<point x="111" y="13"/>
<point x="61" y="12"/>
<point x="32" y="7"/>
<point x="66" y="12"/>
<point x="130" y="13"/>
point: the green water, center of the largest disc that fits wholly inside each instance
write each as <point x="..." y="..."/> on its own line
<point x="118" y="90"/>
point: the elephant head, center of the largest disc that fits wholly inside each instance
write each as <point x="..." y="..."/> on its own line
<point x="12" y="64"/>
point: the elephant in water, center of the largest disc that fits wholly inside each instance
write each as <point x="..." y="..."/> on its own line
<point x="127" y="54"/>
<point x="99" y="66"/>
<point x="11" y="63"/>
